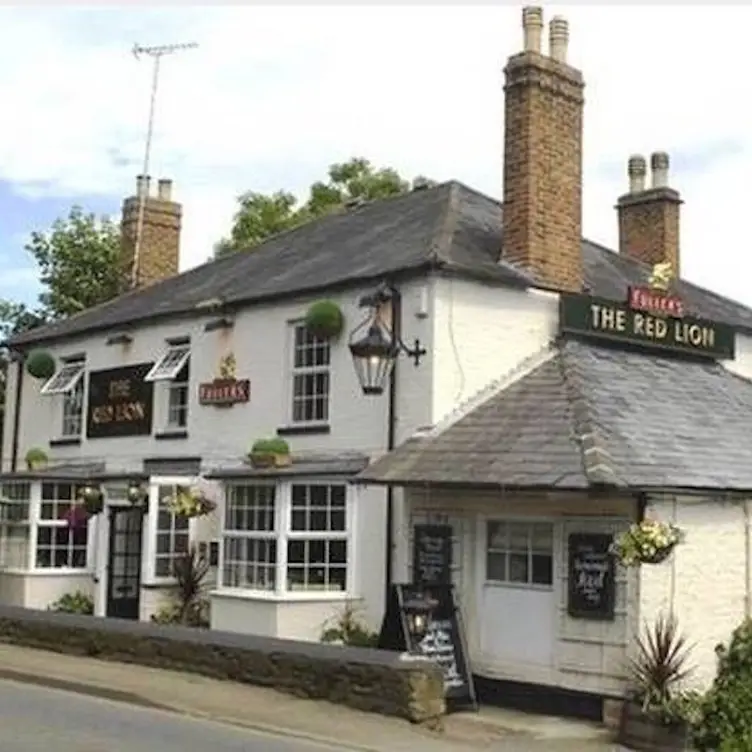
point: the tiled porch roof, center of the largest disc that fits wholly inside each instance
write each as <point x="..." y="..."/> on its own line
<point x="308" y="464"/>
<point x="592" y="417"/>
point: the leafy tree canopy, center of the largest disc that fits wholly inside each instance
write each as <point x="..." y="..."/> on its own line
<point x="262" y="215"/>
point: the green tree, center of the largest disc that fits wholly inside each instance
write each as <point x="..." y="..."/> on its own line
<point x="260" y="216"/>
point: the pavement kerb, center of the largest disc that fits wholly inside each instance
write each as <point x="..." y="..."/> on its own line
<point x="131" y="698"/>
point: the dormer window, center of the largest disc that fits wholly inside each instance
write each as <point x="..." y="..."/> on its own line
<point x="170" y="364"/>
<point x="65" y="379"/>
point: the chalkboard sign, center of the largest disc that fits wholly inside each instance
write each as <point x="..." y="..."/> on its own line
<point x="120" y="402"/>
<point x="592" y="585"/>
<point x="443" y="640"/>
<point x="432" y="554"/>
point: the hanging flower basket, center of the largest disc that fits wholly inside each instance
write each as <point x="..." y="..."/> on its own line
<point x="190" y="502"/>
<point x="36" y="459"/>
<point x="77" y="516"/>
<point x="137" y="494"/>
<point x="92" y="498"/>
<point x="270" y="453"/>
<point x="646" y="542"/>
<point x="40" y="364"/>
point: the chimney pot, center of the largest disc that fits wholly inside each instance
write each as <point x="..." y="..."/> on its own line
<point x="559" y="38"/>
<point x="532" y="25"/>
<point x="164" y="190"/>
<point x="659" y="163"/>
<point x="637" y="170"/>
<point x="142" y="186"/>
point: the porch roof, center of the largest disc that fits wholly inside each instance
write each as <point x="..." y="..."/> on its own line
<point x="71" y="472"/>
<point x="592" y="417"/>
<point x="307" y="464"/>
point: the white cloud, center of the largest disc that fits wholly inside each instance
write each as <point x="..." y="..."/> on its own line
<point x="275" y="94"/>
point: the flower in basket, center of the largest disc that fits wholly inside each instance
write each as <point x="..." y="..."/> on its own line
<point x="646" y="542"/>
<point x="137" y="494"/>
<point x="76" y="516"/>
<point x="191" y="502"/>
<point x="92" y="498"/>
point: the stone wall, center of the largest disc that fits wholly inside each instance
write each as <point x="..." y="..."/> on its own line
<point x="371" y="680"/>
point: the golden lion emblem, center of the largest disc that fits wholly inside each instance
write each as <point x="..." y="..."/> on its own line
<point x="227" y="367"/>
<point x="661" y="276"/>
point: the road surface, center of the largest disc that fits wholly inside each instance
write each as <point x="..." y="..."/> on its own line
<point x="34" y="719"/>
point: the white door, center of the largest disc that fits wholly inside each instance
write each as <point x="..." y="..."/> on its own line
<point x="518" y="604"/>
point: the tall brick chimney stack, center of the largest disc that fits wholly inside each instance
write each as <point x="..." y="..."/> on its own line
<point x="649" y="216"/>
<point x="160" y="236"/>
<point x="544" y="102"/>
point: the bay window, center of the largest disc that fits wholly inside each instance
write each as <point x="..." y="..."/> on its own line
<point x="59" y="545"/>
<point x="15" y="529"/>
<point x="289" y="537"/>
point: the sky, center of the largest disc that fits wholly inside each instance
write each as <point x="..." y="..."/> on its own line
<point x="274" y="94"/>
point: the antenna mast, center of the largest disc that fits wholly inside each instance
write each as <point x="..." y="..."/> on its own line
<point x="156" y="53"/>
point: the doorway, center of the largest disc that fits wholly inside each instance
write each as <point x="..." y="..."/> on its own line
<point x="124" y="567"/>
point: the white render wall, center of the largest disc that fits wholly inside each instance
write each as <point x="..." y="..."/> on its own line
<point x="705" y="579"/>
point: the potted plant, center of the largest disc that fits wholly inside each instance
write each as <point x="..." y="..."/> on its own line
<point x="137" y="494"/>
<point x="188" y="605"/>
<point x="656" y="715"/>
<point x="646" y="542"/>
<point x="190" y="502"/>
<point x="36" y="459"/>
<point x="92" y="498"/>
<point x="324" y="319"/>
<point x="270" y="453"/>
<point x="40" y="364"/>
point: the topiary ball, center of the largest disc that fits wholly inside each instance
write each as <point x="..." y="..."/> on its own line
<point x="40" y="364"/>
<point x="324" y="319"/>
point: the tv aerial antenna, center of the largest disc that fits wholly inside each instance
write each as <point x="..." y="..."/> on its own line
<point x="156" y="53"/>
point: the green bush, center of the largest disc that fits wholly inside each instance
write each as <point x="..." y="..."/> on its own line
<point x="40" y="364"/>
<point x="324" y="319"/>
<point x="725" y="722"/>
<point x="270" y="446"/>
<point x="74" y="603"/>
<point x="189" y="605"/>
<point x="347" y="628"/>
<point x="35" y="456"/>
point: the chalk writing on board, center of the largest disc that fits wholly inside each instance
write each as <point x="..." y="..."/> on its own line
<point x="591" y="571"/>
<point x="438" y="645"/>
<point x="591" y="576"/>
<point x="432" y="558"/>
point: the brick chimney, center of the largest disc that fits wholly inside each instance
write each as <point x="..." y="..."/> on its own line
<point x="649" y="216"/>
<point x="159" y="250"/>
<point x="544" y="102"/>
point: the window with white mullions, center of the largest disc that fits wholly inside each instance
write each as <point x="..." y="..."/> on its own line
<point x="172" y="533"/>
<point x="73" y="410"/>
<point x="170" y="364"/>
<point x="15" y="531"/>
<point x="311" y="377"/>
<point x="65" y="379"/>
<point x="59" y="545"/>
<point x="249" y="539"/>
<point x="177" y="399"/>
<point x="317" y="545"/>
<point x="520" y="553"/>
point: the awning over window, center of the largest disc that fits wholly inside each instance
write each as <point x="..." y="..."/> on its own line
<point x="169" y="365"/>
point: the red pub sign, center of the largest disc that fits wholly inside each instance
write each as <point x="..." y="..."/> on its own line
<point x="655" y="298"/>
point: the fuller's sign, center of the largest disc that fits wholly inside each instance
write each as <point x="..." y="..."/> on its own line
<point x="226" y="390"/>
<point x="120" y="402"/>
<point x="599" y="318"/>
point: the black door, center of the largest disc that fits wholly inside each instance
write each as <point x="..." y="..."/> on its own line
<point x="124" y="568"/>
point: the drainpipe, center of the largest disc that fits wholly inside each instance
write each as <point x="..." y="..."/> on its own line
<point x="20" y="358"/>
<point x="747" y="561"/>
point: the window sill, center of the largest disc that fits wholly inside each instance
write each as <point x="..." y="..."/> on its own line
<point x="289" y="597"/>
<point x="310" y="429"/>
<point x="171" y="434"/>
<point x="66" y="441"/>
<point x="58" y="572"/>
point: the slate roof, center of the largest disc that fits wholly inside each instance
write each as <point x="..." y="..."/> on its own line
<point x="307" y="464"/>
<point x="590" y="417"/>
<point x="449" y="227"/>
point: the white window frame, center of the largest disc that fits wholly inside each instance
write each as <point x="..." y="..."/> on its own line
<point x="529" y="522"/>
<point x="149" y="547"/>
<point x="72" y="425"/>
<point x="284" y="534"/>
<point x="169" y="364"/>
<point x="304" y="371"/>
<point x="9" y="523"/>
<point x="55" y="524"/>
<point x="73" y="370"/>
<point x="180" y="390"/>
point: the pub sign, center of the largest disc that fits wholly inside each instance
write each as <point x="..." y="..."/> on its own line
<point x="226" y="389"/>
<point x="120" y="402"/>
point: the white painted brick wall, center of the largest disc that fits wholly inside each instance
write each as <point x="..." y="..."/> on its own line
<point x="705" y="575"/>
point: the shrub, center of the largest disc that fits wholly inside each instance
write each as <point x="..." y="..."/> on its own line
<point x="347" y="628"/>
<point x="40" y="364"/>
<point x="324" y="319"/>
<point x="189" y="605"/>
<point x="270" y="446"/>
<point x="74" y="603"/>
<point x="726" y="710"/>
<point x="35" y="456"/>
